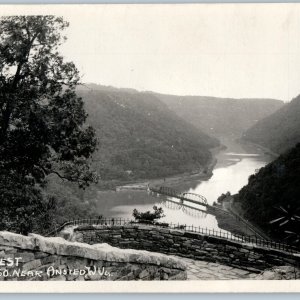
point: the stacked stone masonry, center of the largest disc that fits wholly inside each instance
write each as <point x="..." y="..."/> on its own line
<point x="187" y="244"/>
<point x="38" y="258"/>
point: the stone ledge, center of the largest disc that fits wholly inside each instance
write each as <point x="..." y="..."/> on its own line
<point x="105" y="252"/>
<point x="187" y="244"/>
<point x="178" y="233"/>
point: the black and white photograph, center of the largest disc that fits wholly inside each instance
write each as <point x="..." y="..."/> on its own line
<point x="150" y="143"/>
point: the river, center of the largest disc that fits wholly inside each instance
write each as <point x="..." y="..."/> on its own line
<point x="230" y="174"/>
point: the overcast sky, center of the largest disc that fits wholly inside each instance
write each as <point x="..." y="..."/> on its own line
<point x="217" y="50"/>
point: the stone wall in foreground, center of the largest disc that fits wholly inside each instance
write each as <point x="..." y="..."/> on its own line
<point x="35" y="257"/>
<point x="187" y="244"/>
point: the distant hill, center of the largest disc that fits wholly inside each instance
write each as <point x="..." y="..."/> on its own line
<point x="221" y="117"/>
<point x="275" y="185"/>
<point x="280" y="130"/>
<point x="140" y="137"/>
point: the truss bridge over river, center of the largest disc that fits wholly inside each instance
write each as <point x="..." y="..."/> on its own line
<point x="185" y="199"/>
<point x="198" y="206"/>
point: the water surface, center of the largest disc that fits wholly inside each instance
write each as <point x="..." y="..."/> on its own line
<point x="231" y="175"/>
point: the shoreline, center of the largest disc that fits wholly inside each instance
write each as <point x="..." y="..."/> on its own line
<point x="182" y="178"/>
<point x="265" y="150"/>
<point x="219" y="160"/>
<point x="234" y="221"/>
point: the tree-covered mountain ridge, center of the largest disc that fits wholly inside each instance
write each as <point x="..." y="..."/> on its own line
<point x="280" y="130"/>
<point x="221" y="117"/>
<point x="271" y="199"/>
<point x="140" y="137"/>
<point x="216" y="116"/>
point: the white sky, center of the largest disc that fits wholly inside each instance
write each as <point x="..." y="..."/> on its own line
<point x="230" y="50"/>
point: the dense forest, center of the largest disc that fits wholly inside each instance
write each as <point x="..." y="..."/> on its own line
<point x="221" y="117"/>
<point x="279" y="131"/>
<point x="272" y="197"/>
<point x="139" y="137"/>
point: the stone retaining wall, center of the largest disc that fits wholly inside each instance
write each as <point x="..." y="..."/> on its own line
<point x="38" y="258"/>
<point x="187" y="244"/>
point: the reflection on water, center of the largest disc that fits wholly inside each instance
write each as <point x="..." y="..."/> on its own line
<point x="229" y="178"/>
<point x="241" y="154"/>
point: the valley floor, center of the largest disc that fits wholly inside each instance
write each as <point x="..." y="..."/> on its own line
<point x="135" y="192"/>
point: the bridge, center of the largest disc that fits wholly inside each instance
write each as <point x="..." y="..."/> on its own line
<point x="187" y="209"/>
<point x="202" y="206"/>
<point x="183" y="197"/>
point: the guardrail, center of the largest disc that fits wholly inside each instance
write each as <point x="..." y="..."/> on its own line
<point x="254" y="240"/>
<point x="251" y="226"/>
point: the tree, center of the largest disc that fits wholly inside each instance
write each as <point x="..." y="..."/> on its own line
<point x="148" y="216"/>
<point x="42" y="121"/>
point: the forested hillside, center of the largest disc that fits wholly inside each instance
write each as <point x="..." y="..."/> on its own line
<point x="273" y="195"/>
<point x="221" y="117"/>
<point x="279" y="131"/>
<point x="139" y="137"/>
